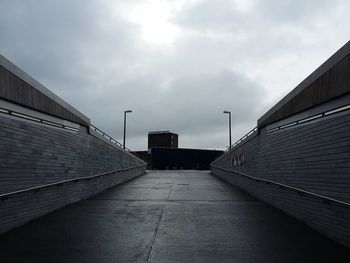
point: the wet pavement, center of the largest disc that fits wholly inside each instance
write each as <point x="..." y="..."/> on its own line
<point x="179" y="216"/>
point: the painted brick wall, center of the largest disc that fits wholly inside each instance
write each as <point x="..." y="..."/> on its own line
<point x="22" y="207"/>
<point x="329" y="218"/>
<point x="33" y="154"/>
<point x="313" y="157"/>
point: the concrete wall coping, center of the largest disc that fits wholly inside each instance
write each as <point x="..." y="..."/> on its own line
<point x="321" y="70"/>
<point x="8" y="65"/>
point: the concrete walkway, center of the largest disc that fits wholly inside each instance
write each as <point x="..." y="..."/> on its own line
<point x="185" y="216"/>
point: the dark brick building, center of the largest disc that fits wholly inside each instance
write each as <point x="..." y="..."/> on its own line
<point x="163" y="153"/>
<point x="164" y="139"/>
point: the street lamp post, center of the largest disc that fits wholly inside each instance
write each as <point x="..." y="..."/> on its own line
<point x="229" y="125"/>
<point x="125" y="112"/>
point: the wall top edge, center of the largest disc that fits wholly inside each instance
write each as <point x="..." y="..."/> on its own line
<point x="342" y="53"/>
<point x="8" y="65"/>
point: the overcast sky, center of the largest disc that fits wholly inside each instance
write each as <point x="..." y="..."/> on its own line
<point x="177" y="64"/>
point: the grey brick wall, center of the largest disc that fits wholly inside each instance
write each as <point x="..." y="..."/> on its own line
<point x="32" y="155"/>
<point x="330" y="218"/>
<point x="20" y="208"/>
<point x="313" y="157"/>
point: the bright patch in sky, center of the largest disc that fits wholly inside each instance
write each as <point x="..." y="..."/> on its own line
<point x="153" y="18"/>
<point x="244" y="5"/>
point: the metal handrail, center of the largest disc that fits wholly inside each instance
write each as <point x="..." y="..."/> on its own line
<point x="105" y="135"/>
<point x="58" y="125"/>
<point x="293" y="123"/>
<point x="37" y="119"/>
<point x="282" y="186"/>
<point x="242" y="139"/>
<point x="311" y="118"/>
<point x="38" y="188"/>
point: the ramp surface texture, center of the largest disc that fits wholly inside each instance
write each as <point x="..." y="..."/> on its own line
<point x="180" y="216"/>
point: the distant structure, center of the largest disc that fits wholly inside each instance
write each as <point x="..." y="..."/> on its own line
<point x="164" y="139"/>
<point x="181" y="158"/>
<point x="163" y="153"/>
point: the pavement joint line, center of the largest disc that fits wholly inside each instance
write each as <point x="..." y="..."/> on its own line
<point x="174" y="200"/>
<point x="146" y="187"/>
<point x="159" y="223"/>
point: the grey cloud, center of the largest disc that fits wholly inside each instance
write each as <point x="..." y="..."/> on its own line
<point x="190" y="105"/>
<point x="210" y="15"/>
<point x="224" y="15"/>
<point x="63" y="40"/>
<point x="96" y="60"/>
<point x="270" y="28"/>
<point x="292" y="11"/>
<point x="231" y="36"/>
